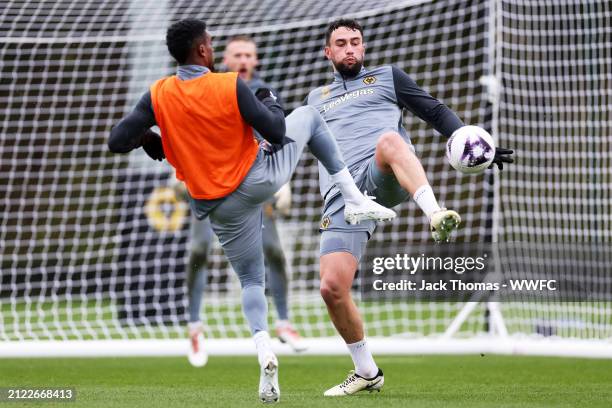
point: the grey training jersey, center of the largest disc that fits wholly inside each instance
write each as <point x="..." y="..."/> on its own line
<point x="359" y="109"/>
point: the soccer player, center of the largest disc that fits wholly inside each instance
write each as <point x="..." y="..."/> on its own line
<point x="241" y="56"/>
<point x="363" y="108"/>
<point x="206" y="121"/>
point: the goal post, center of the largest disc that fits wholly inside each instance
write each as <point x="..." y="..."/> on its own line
<point x="94" y="246"/>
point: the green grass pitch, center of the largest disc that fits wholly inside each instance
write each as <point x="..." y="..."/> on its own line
<point x="410" y="381"/>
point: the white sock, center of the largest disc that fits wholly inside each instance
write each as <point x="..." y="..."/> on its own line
<point x="425" y="198"/>
<point x="345" y="183"/>
<point x="263" y="345"/>
<point x="364" y="362"/>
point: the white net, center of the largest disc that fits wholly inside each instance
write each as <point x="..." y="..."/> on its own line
<point x="80" y="259"/>
<point x="555" y="67"/>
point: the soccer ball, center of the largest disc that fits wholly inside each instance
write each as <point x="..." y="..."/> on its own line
<point x="470" y="149"/>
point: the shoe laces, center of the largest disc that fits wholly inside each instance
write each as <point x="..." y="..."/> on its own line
<point x="349" y="380"/>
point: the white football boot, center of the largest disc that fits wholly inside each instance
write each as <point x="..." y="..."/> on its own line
<point x="269" y="391"/>
<point x="367" y="209"/>
<point x="443" y="223"/>
<point x="355" y="383"/>
<point x="198" y="357"/>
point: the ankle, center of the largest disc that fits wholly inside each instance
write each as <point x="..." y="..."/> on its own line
<point x="426" y="200"/>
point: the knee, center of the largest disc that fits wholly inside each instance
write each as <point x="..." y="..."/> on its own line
<point x="253" y="282"/>
<point x="333" y="290"/>
<point x="304" y="110"/>
<point x="254" y="298"/>
<point x="390" y="144"/>
<point x="250" y="270"/>
<point x="307" y="112"/>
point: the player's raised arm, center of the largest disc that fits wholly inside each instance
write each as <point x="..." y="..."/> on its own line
<point x="414" y="98"/>
<point x="133" y="131"/>
<point x="262" y="111"/>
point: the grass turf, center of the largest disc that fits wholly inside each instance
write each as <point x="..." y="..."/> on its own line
<point x="429" y="381"/>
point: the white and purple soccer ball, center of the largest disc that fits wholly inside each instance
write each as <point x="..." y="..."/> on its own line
<point x="470" y="150"/>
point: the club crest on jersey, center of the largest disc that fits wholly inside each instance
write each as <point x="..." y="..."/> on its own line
<point x="324" y="92"/>
<point x="369" y="80"/>
<point x="325" y="222"/>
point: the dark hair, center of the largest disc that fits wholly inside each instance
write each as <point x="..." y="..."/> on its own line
<point x="181" y="35"/>
<point x="349" y="23"/>
<point x="241" y="37"/>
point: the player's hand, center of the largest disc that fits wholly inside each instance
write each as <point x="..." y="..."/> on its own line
<point x="152" y="145"/>
<point x="502" y="156"/>
<point x="264" y="93"/>
<point x="283" y="199"/>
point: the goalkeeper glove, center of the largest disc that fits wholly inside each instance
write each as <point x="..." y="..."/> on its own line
<point x="263" y="93"/>
<point x="152" y="145"/>
<point x="502" y="156"/>
<point x="267" y="97"/>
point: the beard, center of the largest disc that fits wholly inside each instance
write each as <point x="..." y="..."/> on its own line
<point x="348" y="71"/>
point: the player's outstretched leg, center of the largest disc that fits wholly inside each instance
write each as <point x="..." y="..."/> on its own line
<point x="305" y="126"/>
<point x="394" y="155"/>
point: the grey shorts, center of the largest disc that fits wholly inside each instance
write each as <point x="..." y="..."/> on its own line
<point x="339" y="236"/>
